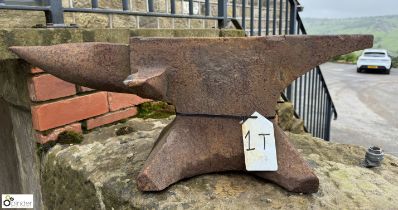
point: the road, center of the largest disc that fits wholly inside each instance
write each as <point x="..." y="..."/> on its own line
<point x="367" y="106"/>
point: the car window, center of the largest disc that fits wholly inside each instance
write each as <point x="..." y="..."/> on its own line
<point x="374" y="54"/>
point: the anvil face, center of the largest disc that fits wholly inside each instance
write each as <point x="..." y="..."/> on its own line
<point x="209" y="76"/>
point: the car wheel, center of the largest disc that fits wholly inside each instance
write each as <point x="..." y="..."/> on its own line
<point x="388" y="71"/>
<point x="359" y="70"/>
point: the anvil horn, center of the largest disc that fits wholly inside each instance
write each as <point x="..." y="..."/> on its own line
<point x="94" y="65"/>
<point x="303" y="53"/>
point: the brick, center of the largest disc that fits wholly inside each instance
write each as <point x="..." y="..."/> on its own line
<point x="63" y="112"/>
<point x="119" y="101"/>
<point x="45" y="87"/>
<point x="36" y="70"/>
<point x="111" y="117"/>
<point x="53" y="135"/>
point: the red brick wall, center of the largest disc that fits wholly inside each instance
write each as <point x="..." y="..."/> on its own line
<point x="58" y="105"/>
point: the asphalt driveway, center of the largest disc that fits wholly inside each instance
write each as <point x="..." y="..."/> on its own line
<point x="367" y="104"/>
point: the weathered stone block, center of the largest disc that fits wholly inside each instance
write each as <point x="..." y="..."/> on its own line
<point x="124" y="21"/>
<point x="20" y="19"/>
<point x="148" y="22"/>
<point x="196" y="24"/>
<point x="181" y="23"/>
<point x="87" y="20"/>
<point x="140" y="5"/>
<point x="106" y="165"/>
<point x="166" y="23"/>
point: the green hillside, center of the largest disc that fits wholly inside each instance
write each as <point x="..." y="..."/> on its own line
<point x="384" y="28"/>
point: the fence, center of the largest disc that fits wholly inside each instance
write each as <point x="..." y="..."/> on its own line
<point x="309" y="93"/>
<point x="311" y="98"/>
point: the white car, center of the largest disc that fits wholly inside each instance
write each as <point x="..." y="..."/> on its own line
<point x="374" y="59"/>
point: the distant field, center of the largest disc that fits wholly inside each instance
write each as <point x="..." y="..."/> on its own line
<point x="384" y="28"/>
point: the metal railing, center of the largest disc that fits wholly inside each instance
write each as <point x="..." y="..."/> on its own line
<point x="309" y="93"/>
<point x="311" y="97"/>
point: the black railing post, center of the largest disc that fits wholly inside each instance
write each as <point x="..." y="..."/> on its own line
<point x="267" y="17"/>
<point x="125" y="5"/>
<point x="287" y="17"/>
<point x="244" y="15"/>
<point x="289" y="92"/>
<point x="293" y="17"/>
<point x="280" y="16"/>
<point x="173" y="7"/>
<point x="56" y="13"/>
<point x="222" y="12"/>
<point x="94" y="4"/>
<point x="190" y="7"/>
<point x="252" y="18"/>
<point x="260" y="10"/>
<point x="207" y="7"/>
<point x="151" y="8"/>
<point x="234" y="8"/>
<point x="274" y="18"/>
<point x="328" y="118"/>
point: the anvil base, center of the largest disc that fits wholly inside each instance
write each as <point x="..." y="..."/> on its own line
<point x="192" y="146"/>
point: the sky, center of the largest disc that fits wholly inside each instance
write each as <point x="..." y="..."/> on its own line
<point x="348" y="8"/>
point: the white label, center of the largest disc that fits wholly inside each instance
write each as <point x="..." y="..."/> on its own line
<point x="17" y="201"/>
<point x="259" y="144"/>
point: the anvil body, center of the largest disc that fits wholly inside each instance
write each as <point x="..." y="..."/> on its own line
<point x="202" y="76"/>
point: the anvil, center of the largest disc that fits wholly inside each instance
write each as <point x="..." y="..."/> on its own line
<point x="212" y="82"/>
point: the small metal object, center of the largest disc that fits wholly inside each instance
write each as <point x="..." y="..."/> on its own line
<point x="373" y="157"/>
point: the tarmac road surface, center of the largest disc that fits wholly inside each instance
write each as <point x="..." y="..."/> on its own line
<point x="367" y="106"/>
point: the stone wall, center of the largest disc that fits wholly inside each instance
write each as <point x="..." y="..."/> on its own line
<point x="20" y="19"/>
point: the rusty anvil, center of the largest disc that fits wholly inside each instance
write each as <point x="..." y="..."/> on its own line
<point x="205" y="78"/>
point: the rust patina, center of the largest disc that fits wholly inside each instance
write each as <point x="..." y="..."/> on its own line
<point x="206" y="77"/>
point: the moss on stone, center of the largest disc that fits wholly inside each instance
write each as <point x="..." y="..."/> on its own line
<point x="70" y="137"/>
<point x="88" y="36"/>
<point x="42" y="149"/>
<point x="155" y="109"/>
<point x="124" y="130"/>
